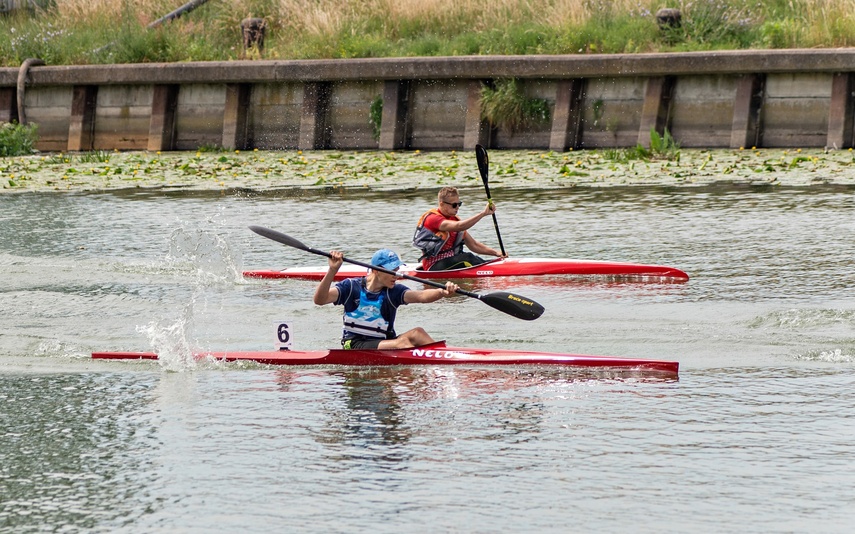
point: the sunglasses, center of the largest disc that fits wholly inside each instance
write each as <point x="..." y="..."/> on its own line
<point x="454" y="205"/>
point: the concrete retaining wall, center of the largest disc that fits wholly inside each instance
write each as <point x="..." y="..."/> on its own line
<point x="781" y="98"/>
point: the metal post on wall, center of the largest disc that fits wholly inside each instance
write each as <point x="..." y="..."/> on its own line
<point x="22" y="84"/>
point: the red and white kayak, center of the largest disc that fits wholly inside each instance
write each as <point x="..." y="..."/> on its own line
<point x="497" y="267"/>
<point x="434" y="354"/>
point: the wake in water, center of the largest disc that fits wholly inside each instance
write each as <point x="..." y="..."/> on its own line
<point x="802" y="318"/>
<point x="838" y="355"/>
<point x="812" y="326"/>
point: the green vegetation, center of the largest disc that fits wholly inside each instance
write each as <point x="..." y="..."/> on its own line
<point x="507" y="107"/>
<point x="662" y="147"/>
<point x="375" y="116"/>
<point x="116" y="31"/>
<point x="414" y="170"/>
<point x="16" y="139"/>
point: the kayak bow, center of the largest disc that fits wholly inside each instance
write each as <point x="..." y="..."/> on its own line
<point x="497" y="267"/>
<point x="434" y="354"/>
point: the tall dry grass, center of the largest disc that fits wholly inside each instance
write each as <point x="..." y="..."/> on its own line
<point x="81" y="11"/>
<point x="69" y="32"/>
<point x="826" y="23"/>
<point x="314" y="17"/>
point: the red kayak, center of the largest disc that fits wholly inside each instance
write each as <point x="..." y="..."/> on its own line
<point x="434" y="354"/>
<point x="497" y="267"/>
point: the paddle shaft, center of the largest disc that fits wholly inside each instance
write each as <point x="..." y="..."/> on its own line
<point x="516" y="305"/>
<point x="495" y="221"/>
<point x="287" y="240"/>
<point x="395" y="273"/>
<point x="483" y="168"/>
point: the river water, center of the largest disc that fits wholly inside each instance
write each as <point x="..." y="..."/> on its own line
<point x="756" y="435"/>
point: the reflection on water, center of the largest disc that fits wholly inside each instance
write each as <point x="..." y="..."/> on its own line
<point x="370" y="425"/>
<point x="75" y="450"/>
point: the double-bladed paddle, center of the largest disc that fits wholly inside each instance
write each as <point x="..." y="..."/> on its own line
<point x="484" y="169"/>
<point x="519" y="307"/>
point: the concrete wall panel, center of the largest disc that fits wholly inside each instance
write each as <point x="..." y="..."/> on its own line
<point x="612" y="112"/>
<point x="50" y="108"/>
<point x="275" y="111"/>
<point x="795" y="110"/>
<point x="348" y="119"/>
<point x="122" y="117"/>
<point x="438" y="114"/>
<point x="702" y="111"/>
<point x="199" y="116"/>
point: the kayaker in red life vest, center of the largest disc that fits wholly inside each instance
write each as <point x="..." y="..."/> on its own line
<point x="371" y="302"/>
<point x="441" y="235"/>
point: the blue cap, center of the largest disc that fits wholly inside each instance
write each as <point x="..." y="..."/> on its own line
<point x="386" y="258"/>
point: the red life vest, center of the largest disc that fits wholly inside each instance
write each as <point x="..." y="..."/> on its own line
<point x="431" y="243"/>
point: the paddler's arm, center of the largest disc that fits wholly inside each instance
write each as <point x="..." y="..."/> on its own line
<point x="480" y="248"/>
<point x="430" y="295"/>
<point x="324" y="293"/>
<point x="461" y="226"/>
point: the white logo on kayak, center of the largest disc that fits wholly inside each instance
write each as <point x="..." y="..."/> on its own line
<point x="438" y="354"/>
<point x="483" y="273"/>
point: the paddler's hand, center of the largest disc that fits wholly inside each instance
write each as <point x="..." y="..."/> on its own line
<point x="336" y="260"/>
<point x="450" y="289"/>
<point x="489" y="209"/>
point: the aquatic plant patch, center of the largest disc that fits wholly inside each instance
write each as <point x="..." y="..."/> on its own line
<point x="413" y="170"/>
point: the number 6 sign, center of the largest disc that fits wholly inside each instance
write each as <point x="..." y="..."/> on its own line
<point x="283" y="335"/>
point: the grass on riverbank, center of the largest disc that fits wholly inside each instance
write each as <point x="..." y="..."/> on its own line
<point x="377" y="170"/>
<point x="114" y="31"/>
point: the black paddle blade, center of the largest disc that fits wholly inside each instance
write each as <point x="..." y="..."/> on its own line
<point x="484" y="169"/>
<point x="483" y="162"/>
<point x="519" y="307"/>
<point x="280" y="237"/>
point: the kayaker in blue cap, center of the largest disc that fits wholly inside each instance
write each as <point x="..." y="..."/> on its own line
<point x="371" y="302"/>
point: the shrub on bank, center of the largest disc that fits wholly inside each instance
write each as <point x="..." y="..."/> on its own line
<point x="17" y="139"/>
<point x="506" y="106"/>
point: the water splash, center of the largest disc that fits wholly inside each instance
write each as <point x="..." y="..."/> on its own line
<point x="205" y="252"/>
<point x="169" y="341"/>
